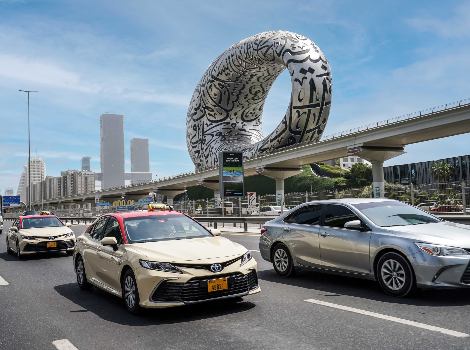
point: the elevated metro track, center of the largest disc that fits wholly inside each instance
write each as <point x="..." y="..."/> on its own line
<point x="377" y="142"/>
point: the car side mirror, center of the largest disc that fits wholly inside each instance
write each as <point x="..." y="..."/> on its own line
<point x="14" y="229"/>
<point x="68" y="224"/>
<point x="215" y="231"/>
<point x="354" y="225"/>
<point x="110" y="241"/>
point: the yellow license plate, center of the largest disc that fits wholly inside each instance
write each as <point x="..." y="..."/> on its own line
<point x="216" y="285"/>
<point x="51" y="244"/>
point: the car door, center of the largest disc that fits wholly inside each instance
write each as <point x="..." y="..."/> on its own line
<point x="341" y="248"/>
<point x="110" y="260"/>
<point x="91" y="248"/>
<point x="302" y="234"/>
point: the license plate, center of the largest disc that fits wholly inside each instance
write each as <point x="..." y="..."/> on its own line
<point x="51" y="244"/>
<point x="217" y="285"/>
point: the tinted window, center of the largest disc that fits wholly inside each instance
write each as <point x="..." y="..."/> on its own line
<point x="337" y="216"/>
<point x="46" y="221"/>
<point x="308" y="215"/>
<point x="165" y="227"/>
<point x="98" y="230"/>
<point x="113" y="230"/>
<point x="394" y="213"/>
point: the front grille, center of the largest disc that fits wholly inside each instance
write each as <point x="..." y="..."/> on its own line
<point x="207" y="266"/>
<point x="42" y="246"/>
<point x="466" y="275"/>
<point x="196" y="288"/>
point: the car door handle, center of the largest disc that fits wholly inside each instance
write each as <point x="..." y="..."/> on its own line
<point x="324" y="234"/>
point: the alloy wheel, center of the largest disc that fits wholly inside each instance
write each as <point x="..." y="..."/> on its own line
<point x="130" y="292"/>
<point x="281" y="260"/>
<point x="80" y="270"/>
<point x="393" y="274"/>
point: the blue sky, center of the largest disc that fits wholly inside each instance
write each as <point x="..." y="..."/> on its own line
<point x="144" y="58"/>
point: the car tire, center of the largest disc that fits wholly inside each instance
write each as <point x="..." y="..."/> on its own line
<point x="282" y="261"/>
<point x="18" y="250"/>
<point x="81" y="274"/>
<point x="130" y="292"/>
<point x="395" y="275"/>
<point x="9" y="251"/>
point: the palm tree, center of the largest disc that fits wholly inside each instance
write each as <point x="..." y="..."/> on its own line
<point x="442" y="171"/>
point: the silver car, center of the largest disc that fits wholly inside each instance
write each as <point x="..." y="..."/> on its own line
<point x="400" y="246"/>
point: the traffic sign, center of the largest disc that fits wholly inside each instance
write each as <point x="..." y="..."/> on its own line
<point x="9" y="201"/>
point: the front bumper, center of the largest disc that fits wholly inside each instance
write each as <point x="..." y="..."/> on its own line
<point x="172" y="290"/>
<point x="442" y="272"/>
<point x="40" y="246"/>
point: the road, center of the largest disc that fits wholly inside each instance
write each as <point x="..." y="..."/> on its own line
<point x="40" y="304"/>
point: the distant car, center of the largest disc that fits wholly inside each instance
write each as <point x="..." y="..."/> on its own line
<point x="162" y="258"/>
<point x="1" y="224"/>
<point x="396" y="244"/>
<point x="270" y="210"/>
<point x="39" y="234"/>
<point x="30" y="212"/>
<point x="425" y="206"/>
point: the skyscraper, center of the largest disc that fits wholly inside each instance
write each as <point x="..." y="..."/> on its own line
<point x="140" y="166"/>
<point x="86" y="164"/>
<point x="38" y="173"/>
<point x="140" y="155"/>
<point x="112" y="150"/>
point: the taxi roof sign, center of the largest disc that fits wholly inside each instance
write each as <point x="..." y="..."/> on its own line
<point x="159" y="206"/>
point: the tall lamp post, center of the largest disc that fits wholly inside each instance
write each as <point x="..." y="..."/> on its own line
<point x="27" y="92"/>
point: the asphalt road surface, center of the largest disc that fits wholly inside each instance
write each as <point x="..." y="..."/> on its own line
<point x="41" y="307"/>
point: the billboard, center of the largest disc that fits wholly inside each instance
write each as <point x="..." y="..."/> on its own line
<point x="9" y="201"/>
<point x="231" y="174"/>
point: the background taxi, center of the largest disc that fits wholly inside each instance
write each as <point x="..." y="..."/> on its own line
<point x="39" y="234"/>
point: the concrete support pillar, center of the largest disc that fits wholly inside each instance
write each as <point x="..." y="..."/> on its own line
<point x="280" y="192"/>
<point x="378" y="182"/>
<point x="171" y="193"/>
<point x="217" y="198"/>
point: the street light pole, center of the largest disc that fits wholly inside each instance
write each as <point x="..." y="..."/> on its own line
<point x="29" y="150"/>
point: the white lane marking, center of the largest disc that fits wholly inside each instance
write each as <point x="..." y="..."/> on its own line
<point x="390" y="318"/>
<point x="3" y="282"/>
<point x="254" y="250"/>
<point x="63" y="344"/>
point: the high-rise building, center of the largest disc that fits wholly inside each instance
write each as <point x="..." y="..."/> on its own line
<point x="140" y="155"/>
<point x="75" y="182"/>
<point x="9" y="191"/>
<point x="38" y="173"/>
<point x="112" y="150"/>
<point x="140" y="165"/>
<point x="86" y="164"/>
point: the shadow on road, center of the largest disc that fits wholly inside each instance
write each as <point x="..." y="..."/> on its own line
<point x="111" y="308"/>
<point x="334" y="285"/>
<point x="39" y="256"/>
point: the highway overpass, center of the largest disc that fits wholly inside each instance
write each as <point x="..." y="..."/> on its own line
<point x="375" y="142"/>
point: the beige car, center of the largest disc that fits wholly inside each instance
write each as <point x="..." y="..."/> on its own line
<point x="158" y="259"/>
<point x="39" y="234"/>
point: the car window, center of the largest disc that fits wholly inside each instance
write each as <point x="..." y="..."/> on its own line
<point x="98" y="230"/>
<point x="113" y="230"/>
<point x="337" y="215"/>
<point x="41" y="222"/>
<point x="307" y="215"/>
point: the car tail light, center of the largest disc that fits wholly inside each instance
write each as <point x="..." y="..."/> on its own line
<point x="263" y="230"/>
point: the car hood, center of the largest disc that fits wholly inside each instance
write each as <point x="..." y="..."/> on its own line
<point x="197" y="250"/>
<point x="446" y="233"/>
<point x="46" y="231"/>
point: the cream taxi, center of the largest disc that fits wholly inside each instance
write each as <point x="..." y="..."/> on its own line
<point x="162" y="258"/>
<point x="43" y="233"/>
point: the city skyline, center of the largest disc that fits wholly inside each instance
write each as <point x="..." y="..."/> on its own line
<point x="377" y="74"/>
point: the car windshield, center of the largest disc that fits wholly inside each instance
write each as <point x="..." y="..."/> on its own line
<point x="394" y="213"/>
<point x="165" y="227"/>
<point x="48" y="221"/>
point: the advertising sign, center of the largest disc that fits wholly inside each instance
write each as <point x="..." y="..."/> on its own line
<point x="9" y="201"/>
<point x="231" y="174"/>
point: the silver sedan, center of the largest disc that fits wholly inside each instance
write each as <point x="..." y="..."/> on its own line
<point x="400" y="246"/>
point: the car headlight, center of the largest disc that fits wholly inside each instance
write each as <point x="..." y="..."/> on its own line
<point x="25" y="237"/>
<point x="160" y="266"/>
<point x="440" y="250"/>
<point x="69" y="235"/>
<point x="245" y="258"/>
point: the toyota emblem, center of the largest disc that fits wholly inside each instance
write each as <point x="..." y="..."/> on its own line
<point x="216" y="267"/>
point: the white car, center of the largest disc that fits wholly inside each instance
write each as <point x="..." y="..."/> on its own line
<point x="271" y="210"/>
